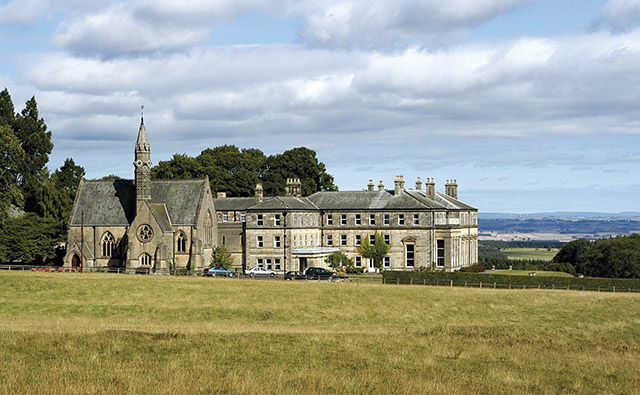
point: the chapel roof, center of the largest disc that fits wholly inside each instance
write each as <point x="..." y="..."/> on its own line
<point x="113" y="202"/>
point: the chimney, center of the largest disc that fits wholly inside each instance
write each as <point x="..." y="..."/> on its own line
<point x="293" y="187"/>
<point x="430" y="188"/>
<point x="220" y="195"/>
<point x="418" y="184"/>
<point x="399" y="185"/>
<point x="370" y="186"/>
<point x="259" y="193"/>
<point x="451" y="188"/>
<point x="380" y="186"/>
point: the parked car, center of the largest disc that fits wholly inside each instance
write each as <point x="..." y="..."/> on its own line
<point x="293" y="275"/>
<point x="260" y="271"/>
<point x="319" y="273"/>
<point x="219" y="271"/>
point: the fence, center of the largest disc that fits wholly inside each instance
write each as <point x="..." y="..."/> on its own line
<point x="496" y="285"/>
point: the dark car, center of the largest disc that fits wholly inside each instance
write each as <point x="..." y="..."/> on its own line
<point x="219" y="271"/>
<point x="292" y="275"/>
<point x="319" y="273"/>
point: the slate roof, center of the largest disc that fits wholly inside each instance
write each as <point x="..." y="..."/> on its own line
<point x="161" y="215"/>
<point x="284" y="202"/>
<point x="233" y="203"/>
<point x="384" y="200"/>
<point x="112" y="203"/>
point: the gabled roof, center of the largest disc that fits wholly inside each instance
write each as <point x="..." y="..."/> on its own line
<point x="113" y="202"/>
<point x="233" y="203"/>
<point x="160" y="213"/>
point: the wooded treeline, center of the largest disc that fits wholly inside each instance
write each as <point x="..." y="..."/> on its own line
<point x="26" y="185"/>
<point x="237" y="171"/>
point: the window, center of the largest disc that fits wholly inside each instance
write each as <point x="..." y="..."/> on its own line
<point x="400" y="219"/>
<point x="108" y="242"/>
<point x="260" y="262"/>
<point x="343" y="240"/>
<point x="372" y="219"/>
<point x="277" y="220"/>
<point x="276" y="242"/>
<point x="311" y="237"/>
<point x="208" y="229"/>
<point x="295" y="241"/>
<point x="387" y="219"/>
<point x="343" y="219"/>
<point x="145" y="259"/>
<point x="358" y="219"/>
<point x="372" y="239"/>
<point x="259" y="220"/>
<point x="276" y="264"/>
<point x="357" y="240"/>
<point x="358" y="261"/>
<point x="329" y="219"/>
<point x="416" y="219"/>
<point x="259" y="241"/>
<point x="386" y="261"/>
<point x="440" y="253"/>
<point x="387" y="239"/>
<point x="225" y="217"/>
<point x="409" y="254"/>
<point x="268" y="261"/>
<point x="243" y="217"/>
<point x="329" y="240"/>
<point x="224" y="239"/>
<point x="181" y="242"/>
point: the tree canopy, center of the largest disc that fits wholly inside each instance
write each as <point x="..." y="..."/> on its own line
<point x="376" y="251"/>
<point x="237" y="171"/>
<point x="617" y="257"/>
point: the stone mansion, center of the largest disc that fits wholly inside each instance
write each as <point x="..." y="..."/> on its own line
<point x="156" y="226"/>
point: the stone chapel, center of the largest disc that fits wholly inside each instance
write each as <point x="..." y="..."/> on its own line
<point x="140" y="225"/>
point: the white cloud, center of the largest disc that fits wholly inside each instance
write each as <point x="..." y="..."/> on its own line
<point x="622" y="14"/>
<point x="23" y="12"/>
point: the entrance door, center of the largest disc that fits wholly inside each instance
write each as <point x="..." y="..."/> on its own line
<point x="75" y="261"/>
<point x="303" y="264"/>
<point x="372" y="266"/>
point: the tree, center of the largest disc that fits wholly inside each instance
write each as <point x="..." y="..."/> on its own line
<point x="111" y="177"/>
<point x="339" y="260"/>
<point x="221" y="257"/>
<point x="232" y="170"/>
<point x="35" y="140"/>
<point x="574" y="253"/>
<point x="7" y="114"/>
<point x="12" y="157"/>
<point x="376" y="251"/>
<point x="180" y="166"/>
<point x="300" y="163"/>
<point x="28" y="239"/>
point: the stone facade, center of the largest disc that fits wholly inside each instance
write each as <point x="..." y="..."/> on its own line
<point x="424" y="228"/>
<point x="142" y="225"/>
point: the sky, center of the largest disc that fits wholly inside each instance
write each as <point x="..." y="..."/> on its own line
<point x="530" y="105"/>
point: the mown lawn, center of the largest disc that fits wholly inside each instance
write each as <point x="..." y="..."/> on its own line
<point x="530" y="253"/>
<point x="101" y="333"/>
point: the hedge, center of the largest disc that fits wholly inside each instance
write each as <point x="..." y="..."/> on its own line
<point x="503" y="281"/>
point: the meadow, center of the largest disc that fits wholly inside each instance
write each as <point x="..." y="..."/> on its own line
<point x="530" y="253"/>
<point x="109" y="333"/>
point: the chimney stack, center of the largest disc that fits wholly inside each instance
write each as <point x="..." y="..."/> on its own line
<point x="451" y="188"/>
<point x="398" y="185"/>
<point x="293" y="187"/>
<point x="259" y="193"/>
<point x="380" y="186"/>
<point x="430" y="188"/>
<point x="370" y="186"/>
<point x="418" y="184"/>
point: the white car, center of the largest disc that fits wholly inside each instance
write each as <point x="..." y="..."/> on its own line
<point x="260" y="271"/>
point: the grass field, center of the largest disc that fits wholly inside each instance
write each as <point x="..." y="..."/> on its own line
<point x="102" y="333"/>
<point x="530" y="253"/>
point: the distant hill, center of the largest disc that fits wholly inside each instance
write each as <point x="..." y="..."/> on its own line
<point x="562" y="214"/>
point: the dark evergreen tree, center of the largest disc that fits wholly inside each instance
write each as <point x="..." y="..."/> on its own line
<point x="298" y="162"/>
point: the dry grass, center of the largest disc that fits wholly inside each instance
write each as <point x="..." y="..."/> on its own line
<point x="99" y="333"/>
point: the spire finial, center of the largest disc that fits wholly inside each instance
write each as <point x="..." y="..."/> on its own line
<point x="142" y="114"/>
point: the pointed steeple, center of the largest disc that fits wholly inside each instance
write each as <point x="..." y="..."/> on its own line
<point x="142" y="165"/>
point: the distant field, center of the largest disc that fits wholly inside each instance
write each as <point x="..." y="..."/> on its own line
<point x="539" y="273"/>
<point x="530" y="253"/>
<point x="108" y="333"/>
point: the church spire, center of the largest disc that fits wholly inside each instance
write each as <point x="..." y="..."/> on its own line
<point x="142" y="165"/>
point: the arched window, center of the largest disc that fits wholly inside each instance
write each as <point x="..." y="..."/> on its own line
<point x="181" y="242"/>
<point x="145" y="260"/>
<point x="108" y="244"/>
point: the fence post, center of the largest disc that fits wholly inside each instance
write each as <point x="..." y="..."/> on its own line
<point x="598" y="289"/>
<point x="494" y="285"/>
<point x="411" y="281"/>
<point x="424" y="281"/>
<point x="481" y="284"/>
<point x="465" y="284"/>
<point x="509" y="285"/>
<point x="553" y="286"/>
<point x="451" y="283"/>
<point x="398" y="281"/>
<point x="614" y="289"/>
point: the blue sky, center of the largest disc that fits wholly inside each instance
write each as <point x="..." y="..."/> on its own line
<point x="531" y="105"/>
